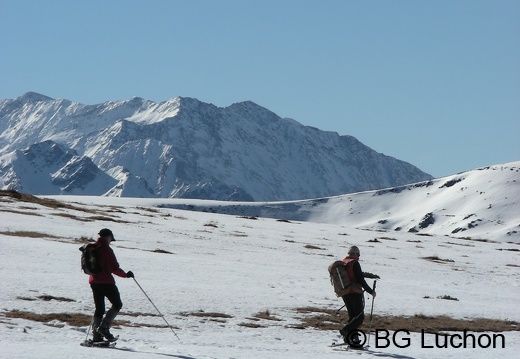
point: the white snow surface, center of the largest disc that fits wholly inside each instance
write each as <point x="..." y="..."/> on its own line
<point x="192" y="262"/>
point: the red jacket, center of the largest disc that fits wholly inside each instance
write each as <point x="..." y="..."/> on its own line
<point x="108" y="262"/>
<point x="356" y="276"/>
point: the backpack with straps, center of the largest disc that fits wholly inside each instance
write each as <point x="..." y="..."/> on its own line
<point x="339" y="278"/>
<point x="89" y="259"/>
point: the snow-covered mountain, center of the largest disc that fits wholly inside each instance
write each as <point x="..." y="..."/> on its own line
<point x="482" y="204"/>
<point x="182" y="148"/>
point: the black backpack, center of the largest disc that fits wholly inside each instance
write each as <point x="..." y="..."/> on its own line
<point x="89" y="259"/>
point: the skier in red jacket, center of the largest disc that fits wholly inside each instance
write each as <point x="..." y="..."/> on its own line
<point x="104" y="286"/>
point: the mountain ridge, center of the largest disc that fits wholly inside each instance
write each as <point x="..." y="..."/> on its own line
<point x="186" y="148"/>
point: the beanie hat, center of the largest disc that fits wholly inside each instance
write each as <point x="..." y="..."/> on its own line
<point x="353" y="250"/>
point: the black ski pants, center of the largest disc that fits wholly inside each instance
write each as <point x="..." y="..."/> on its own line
<point x="355" y="303"/>
<point x="109" y="291"/>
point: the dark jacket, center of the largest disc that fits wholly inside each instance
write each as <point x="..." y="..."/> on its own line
<point x="108" y="263"/>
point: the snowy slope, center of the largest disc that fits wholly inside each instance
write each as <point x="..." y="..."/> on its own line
<point x="184" y="148"/>
<point x="213" y="276"/>
<point x="480" y="204"/>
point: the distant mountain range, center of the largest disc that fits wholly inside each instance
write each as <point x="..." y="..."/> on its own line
<point x="182" y="148"/>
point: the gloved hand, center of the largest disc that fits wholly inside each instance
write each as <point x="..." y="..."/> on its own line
<point x="129" y="274"/>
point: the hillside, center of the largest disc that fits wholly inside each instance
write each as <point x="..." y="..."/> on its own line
<point x="480" y="204"/>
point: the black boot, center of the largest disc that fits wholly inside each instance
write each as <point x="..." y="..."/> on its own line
<point x="103" y="330"/>
<point x="96" y="335"/>
<point x="344" y="335"/>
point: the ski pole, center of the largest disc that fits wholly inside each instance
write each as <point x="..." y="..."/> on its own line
<point x="371" y="311"/>
<point x="157" y="309"/>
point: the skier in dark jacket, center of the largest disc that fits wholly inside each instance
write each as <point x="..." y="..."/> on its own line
<point x="104" y="286"/>
<point x="354" y="300"/>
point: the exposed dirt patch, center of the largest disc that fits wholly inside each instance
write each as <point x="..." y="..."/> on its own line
<point x="48" y="298"/>
<point x="138" y="314"/>
<point x="266" y="315"/>
<point x="26" y="213"/>
<point x="41" y="201"/>
<point x="76" y="319"/>
<point x="29" y="299"/>
<point x="438" y="260"/>
<point x="325" y="319"/>
<point x="28" y="234"/>
<point x="207" y="315"/>
<point x="73" y="319"/>
<point x="252" y="325"/>
<point x="311" y="246"/>
<point x="6" y="195"/>
<point x="309" y="317"/>
<point x="106" y="219"/>
<point x="161" y="251"/>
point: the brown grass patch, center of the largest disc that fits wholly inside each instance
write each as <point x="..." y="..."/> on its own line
<point x="92" y="218"/>
<point x="29" y="299"/>
<point x="48" y="298"/>
<point x="106" y="219"/>
<point x="266" y="315"/>
<point x="162" y="251"/>
<point x="252" y="325"/>
<point x="309" y="317"/>
<point x="207" y="315"/>
<point x="325" y="319"/>
<point x="152" y="210"/>
<point x="21" y="212"/>
<point x="139" y="314"/>
<point x="76" y="319"/>
<point x="28" y="234"/>
<point x="73" y="319"/>
<point x="310" y="246"/>
<point x="51" y="203"/>
<point x="436" y="259"/>
<point x="24" y="197"/>
<point x="283" y="220"/>
<point x="388" y="238"/>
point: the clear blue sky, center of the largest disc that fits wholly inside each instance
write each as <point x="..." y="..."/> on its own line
<point x="434" y="83"/>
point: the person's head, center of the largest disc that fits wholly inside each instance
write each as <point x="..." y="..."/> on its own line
<point x="107" y="235"/>
<point x="354" y="251"/>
